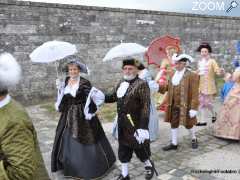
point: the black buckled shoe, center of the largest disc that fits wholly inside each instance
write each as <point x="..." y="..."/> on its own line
<point x="214" y="118"/>
<point x="120" y="177"/>
<point x="194" y="144"/>
<point x="170" y="147"/>
<point x="149" y="172"/>
<point x="201" y="124"/>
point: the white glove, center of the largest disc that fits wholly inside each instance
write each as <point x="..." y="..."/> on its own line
<point x="56" y="105"/>
<point x="59" y="84"/>
<point x="97" y="96"/>
<point x="141" y="135"/>
<point x="192" y="113"/>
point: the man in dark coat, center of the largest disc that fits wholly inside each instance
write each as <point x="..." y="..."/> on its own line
<point x="133" y="107"/>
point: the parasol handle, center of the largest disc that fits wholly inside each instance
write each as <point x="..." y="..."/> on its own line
<point x="56" y="67"/>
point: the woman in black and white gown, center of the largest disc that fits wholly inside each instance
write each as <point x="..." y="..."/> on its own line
<point x="81" y="149"/>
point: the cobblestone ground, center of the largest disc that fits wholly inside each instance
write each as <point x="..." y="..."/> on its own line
<point x="173" y="165"/>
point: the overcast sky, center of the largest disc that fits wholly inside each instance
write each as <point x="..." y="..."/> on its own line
<point x="210" y="7"/>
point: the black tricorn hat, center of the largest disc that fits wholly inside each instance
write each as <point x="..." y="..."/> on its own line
<point x="204" y="45"/>
<point x="132" y="62"/>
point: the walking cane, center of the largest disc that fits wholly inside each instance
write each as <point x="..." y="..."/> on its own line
<point x="132" y="123"/>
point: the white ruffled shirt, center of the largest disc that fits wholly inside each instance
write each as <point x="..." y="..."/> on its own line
<point x="5" y="101"/>
<point x="177" y="77"/>
<point x="72" y="89"/>
<point x="66" y="90"/>
<point x="202" y="66"/>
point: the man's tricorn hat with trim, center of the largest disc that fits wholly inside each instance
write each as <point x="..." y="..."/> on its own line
<point x="182" y="57"/>
<point x="133" y="62"/>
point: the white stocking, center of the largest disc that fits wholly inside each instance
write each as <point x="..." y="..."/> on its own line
<point x="147" y="163"/>
<point x="174" y="136"/>
<point x="124" y="169"/>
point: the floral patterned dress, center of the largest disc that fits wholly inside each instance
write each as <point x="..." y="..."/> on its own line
<point x="207" y="87"/>
<point x="228" y="122"/>
<point x="162" y="78"/>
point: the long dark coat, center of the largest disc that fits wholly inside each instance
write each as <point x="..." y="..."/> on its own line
<point x="135" y="102"/>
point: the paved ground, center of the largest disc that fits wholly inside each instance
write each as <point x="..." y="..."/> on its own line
<point x="216" y="158"/>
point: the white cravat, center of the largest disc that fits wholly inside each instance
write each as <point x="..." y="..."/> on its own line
<point x="177" y="77"/>
<point x="5" y="101"/>
<point x="122" y="89"/>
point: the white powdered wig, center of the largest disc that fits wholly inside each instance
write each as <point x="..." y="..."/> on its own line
<point x="177" y="58"/>
<point x="10" y="70"/>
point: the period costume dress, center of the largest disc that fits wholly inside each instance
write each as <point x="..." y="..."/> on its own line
<point x="20" y="156"/>
<point x="182" y="102"/>
<point x="207" y="70"/>
<point x="164" y="75"/>
<point x="228" y="121"/>
<point x="153" y="125"/>
<point x="166" y="71"/>
<point x="81" y="148"/>
<point x="207" y="87"/>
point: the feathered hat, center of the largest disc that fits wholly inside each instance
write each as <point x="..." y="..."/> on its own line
<point x="75" y="60"/>
<point x="10" y="71"/>
<point x="182" y="57"/>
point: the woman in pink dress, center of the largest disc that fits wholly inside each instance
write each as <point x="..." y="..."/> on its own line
<point x="228" y="122"/>
<point x="207" y="69"/>
<point x="165" y="73"/>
